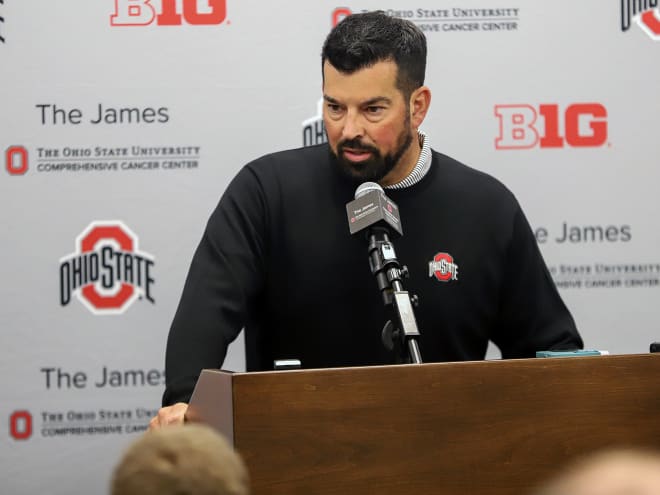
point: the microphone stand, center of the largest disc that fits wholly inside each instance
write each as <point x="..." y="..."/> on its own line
<point x="402" y="335"/>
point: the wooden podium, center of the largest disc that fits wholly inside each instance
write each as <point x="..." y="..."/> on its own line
<point x="488" y="427"/>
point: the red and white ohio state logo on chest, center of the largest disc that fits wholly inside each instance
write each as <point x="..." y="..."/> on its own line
<point x="443" y="267"/>
<point x="107" y="272"/>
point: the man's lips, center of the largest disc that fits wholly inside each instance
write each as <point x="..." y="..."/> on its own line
<point x="356" y="155"/>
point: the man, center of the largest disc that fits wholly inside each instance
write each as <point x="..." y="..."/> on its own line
<point x="188" y="460"/>
<point x="277" y="257"/>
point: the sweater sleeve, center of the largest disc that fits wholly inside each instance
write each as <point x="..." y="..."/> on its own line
<point x="533" y="316"/>
<point x="225" y="277"/>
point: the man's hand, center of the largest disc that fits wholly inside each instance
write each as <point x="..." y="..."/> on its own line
<point x="169" y="416"/>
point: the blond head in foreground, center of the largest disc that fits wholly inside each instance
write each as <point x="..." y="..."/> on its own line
<point x="190" y="459"/>
<point x="610" y="472"/>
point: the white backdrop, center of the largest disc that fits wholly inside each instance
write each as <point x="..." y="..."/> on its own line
<point x="117" y="141"/>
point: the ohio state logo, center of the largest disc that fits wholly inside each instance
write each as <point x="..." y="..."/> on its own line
<point x="16" y="160"/>
<point x="443" y="267"/>
<point x="107" y="272"/>
<point x="645" y="13"/>
<point x="20" y="425"/>
<point x="523" y="126"/>
<point x="313" y="129"/>
<point x="339" y="14"/>
<point x="144" y="13"/>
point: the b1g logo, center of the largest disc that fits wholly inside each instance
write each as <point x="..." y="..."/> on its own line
<point x="107" y="272"/>
<point x="645" y="13"/>
<point x="580" y="125"/>
<point x="443" y="267"/>
<point x="171" y="13"/>
<point x="16" y="160"/>
<point x="20" y="425"/>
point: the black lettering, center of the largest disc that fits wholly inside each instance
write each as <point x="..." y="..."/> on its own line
<point x="541" y="235"/>
<point x="108" y="278"/>
<point x="163" y="115"/>
<point x="592" y="234"/>
<point x="128" y="269"/>
<point x="77" y="277"/>
<point x="99" y="115"/>
<point x="129" y="115"/>
<point x="65" y="283"/>
<point x="626" y="234"/>
<point x="104" y="378"/>
<point x="93" y="271"/>
<point x="148" y="115"/>
<point x="2" y="20"/>
<point x="319" y="135"/>
<point x="149" y="281"/>
<point x="564" y="234"/>
<point x="307" y="135"/>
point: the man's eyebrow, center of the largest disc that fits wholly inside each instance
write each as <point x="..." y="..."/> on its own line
<point x="370" y="101"/>
<point x="377" y="99"/>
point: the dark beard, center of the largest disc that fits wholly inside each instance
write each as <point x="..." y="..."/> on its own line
<point x="377" y="166"/>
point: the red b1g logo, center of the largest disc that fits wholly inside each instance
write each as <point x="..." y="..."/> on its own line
<point x="580" y="125"/>
<point x="143" y="12"/>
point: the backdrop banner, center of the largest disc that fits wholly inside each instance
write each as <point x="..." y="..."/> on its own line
<point x="123" y="121"/>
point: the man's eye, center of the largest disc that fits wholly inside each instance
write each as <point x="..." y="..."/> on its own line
<point x="374" y="110"/>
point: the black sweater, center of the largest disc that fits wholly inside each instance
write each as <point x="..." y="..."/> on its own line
<point x="277" y="258"/>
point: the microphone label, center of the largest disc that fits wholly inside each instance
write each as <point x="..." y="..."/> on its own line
<point x="370" y="209"/>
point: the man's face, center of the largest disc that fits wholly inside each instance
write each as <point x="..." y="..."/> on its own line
<point x="367" y="120"/>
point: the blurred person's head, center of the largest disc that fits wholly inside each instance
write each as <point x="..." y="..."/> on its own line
<point x="610" y="472"/>
<point x="180" y="460"/>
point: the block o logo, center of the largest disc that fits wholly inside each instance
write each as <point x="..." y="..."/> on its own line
<point x="645" y="13"/>
<point x="16" y="160"/>
<point x="339" y="14"/>
<point x="143" y="13"/>
<point x="20" y="425"/>
<point x="649" y="21"/>
<point x="584" y="125"/>
<point x="107" y="272"/>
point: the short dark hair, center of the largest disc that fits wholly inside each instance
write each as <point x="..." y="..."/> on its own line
<point x="362" y="40"/>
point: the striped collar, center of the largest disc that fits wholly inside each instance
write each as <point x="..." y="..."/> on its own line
<point x="421" y="168"/>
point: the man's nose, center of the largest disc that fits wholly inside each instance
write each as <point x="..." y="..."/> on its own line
<point x="353" y="126"/>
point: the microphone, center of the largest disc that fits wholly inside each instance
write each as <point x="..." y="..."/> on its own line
<point x="371" y="208"/>
<point x="373" y="211"/>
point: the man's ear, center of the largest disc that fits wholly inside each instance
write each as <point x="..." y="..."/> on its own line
<point x="420" y="100"/>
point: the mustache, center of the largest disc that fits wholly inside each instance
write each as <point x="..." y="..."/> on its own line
<point x="357" y="145"/>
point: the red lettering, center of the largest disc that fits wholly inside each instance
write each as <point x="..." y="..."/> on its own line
<point x="132" y="13"/>
<point x="517" y="129"/>
<point x="584" y="125"/>
<point x="169" y="16"/>
<point x="215" y="16"/>
<point x="142" y="13"/>
<point x="551" y="137"/>
<point x="598" y="128"/>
